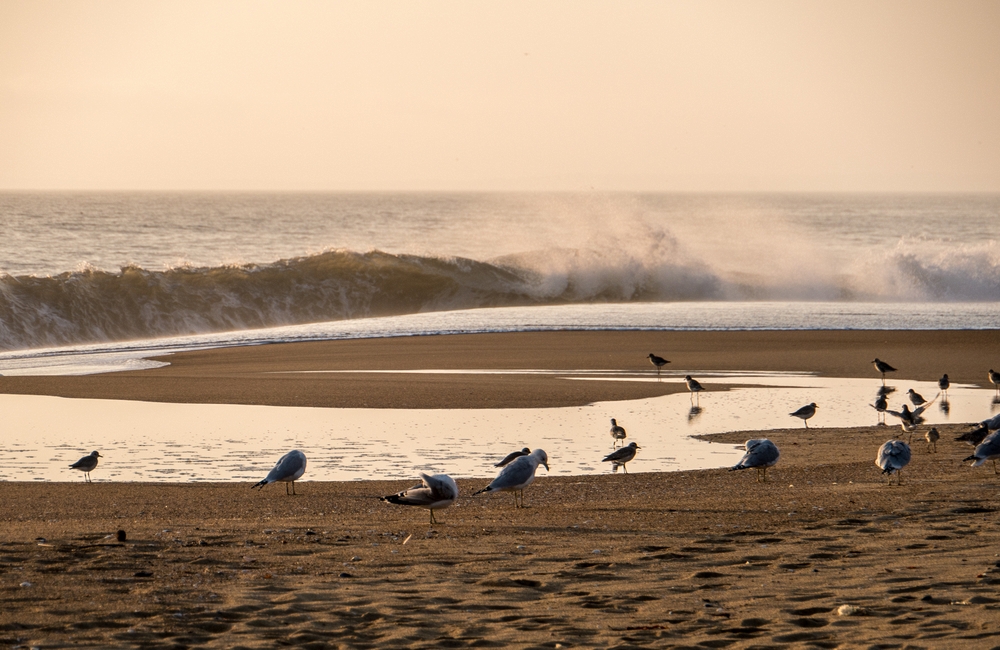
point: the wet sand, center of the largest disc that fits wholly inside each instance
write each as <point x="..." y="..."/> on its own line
<point x="298" y="374"/>
<point x="823" y="554"/>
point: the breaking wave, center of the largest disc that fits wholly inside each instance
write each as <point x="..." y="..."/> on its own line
<point x="99" y="306"/>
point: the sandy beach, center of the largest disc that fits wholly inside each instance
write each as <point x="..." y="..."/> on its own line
<point x="824" y="554"/>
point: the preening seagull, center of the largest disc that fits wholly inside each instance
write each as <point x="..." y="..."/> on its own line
<point x="882" y="367"/>
<point x="761" y="454"/>
<point x="617" y="432"/>
<point x="289" y="469"/>
<point x="988" y="449"/>
<point x="518" y="475"/>
<point x="87" y="465"/>
<point x="434" y="493"/>
<point x="805" y="413"/>
<point x="932" y="436"/>
<point x="622" y="456"/>
<point x="511" y="456"/>
<point x="893" y="456"/>
<point x="659" y="362"/>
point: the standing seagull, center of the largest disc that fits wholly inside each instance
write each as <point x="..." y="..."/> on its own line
<point x="880" y="405"/>
<point x="518" y="475"/>
<point x="882" y="367"/>
<point x="995" y="379"/>
<point x="761" y="454"/>
<point x="893" y="456"/>
<point x="916" y="398"/>
<point x="434" y="493"/>
<point x="617" y="432"/>
<point x="87" y="465"/>
<point x="988" y="449"/>
<point x="622" y="456"/>
<point x="511" y="456"/>
<point x="805" y="413"/>
<point x="289" y="469"/>
<point x="693" y="386"/>
<point x="659" y="362"/>
<point x="944" y="384"/>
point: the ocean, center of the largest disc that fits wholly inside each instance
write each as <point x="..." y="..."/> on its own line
<point x="122" y="271"/>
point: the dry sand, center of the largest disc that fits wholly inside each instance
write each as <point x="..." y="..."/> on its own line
<point x="823" y="555"/>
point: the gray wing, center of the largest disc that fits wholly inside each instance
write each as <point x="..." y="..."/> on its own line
<point x="993" y="423"/>
<point x="760" y="453"/>
<point x="292" y="463"/>
<point x="805" y="410"/>
<point x="989" y="447"/>
<point x="86" y="463"/>
<point x="624" y="454"/>
<point x="433" y="490"/>
<point x="517" y="473"/>
<point x="893" y="455"/>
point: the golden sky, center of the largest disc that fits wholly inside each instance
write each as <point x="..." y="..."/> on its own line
<point x="500" y="95"/>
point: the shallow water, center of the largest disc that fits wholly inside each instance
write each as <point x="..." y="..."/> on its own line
<point x="143" y="441"/>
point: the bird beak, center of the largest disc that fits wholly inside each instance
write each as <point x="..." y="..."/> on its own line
<point x="546" y="466"/>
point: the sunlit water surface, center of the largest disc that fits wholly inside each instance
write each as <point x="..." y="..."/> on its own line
<point x="142" y="441"/>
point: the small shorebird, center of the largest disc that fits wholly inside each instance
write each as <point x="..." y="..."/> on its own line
<point x="511" y="456"/>
<point x="289" y="469"/>
<point x="761" y="454"/>
<point x="622" y="456"/>
<point x="893" y="456"/>
<point x="995" y="379"/>
<point x="932" y="437"/>
<point x="916" y="398"/>
<point x="880" y="405"/>
<point x="805" y="413"/>
<point x="910" y="419"/>
<point x="988" y="449"/>
<point x="975" y="436"/>
<point x="617" y="432"/>
<point x="434" y="493"/>
<point x="518" y="475"/>
<point x="693" y="386"/>
<point x="87" y="465"/>
<point x="882" y="367"/>
<point x="659" y="362"/>
<point x="944" y="384"/>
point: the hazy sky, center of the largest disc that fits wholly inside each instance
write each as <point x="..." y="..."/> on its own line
<point x="505" y="95"/>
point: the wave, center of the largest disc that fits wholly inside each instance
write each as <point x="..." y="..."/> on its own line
<point x="92" y="305"/>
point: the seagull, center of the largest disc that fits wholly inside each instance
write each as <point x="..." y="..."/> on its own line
<point x="659" y="362"/>
<point x="880" y="405"/>
<point x="932" y="437"/>
<point x="995" y="379"/>
<point x="944" y="384"/>
<point x="622" y="456"/>
<point x="87" y="465"/>
<point x="693" y="386"/>
<point x="434" y="493"/>
<point x="511" y="456"/>
<point x="761" y="454"/>
<point x="882" y="367"/>
<point x="617" y="432"/>
<point x="893" y="456"/>
<point x="988" y="449"/>
<point x="518" y="475"/>
<point x="916" y="397"/>
<point x="289" y="469"/>
<point x="806" y="412"/>
<point x="975" y="436"/>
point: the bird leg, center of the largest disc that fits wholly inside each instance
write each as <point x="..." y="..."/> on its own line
<point x="433" y="521"/>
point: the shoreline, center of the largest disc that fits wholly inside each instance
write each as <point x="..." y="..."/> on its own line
<point x="358" y="373"/>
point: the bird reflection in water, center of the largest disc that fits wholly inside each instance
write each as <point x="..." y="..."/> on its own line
<point x="694" y="413"/>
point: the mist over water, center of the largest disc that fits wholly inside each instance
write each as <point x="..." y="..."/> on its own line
<point x="78" y="268"/>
